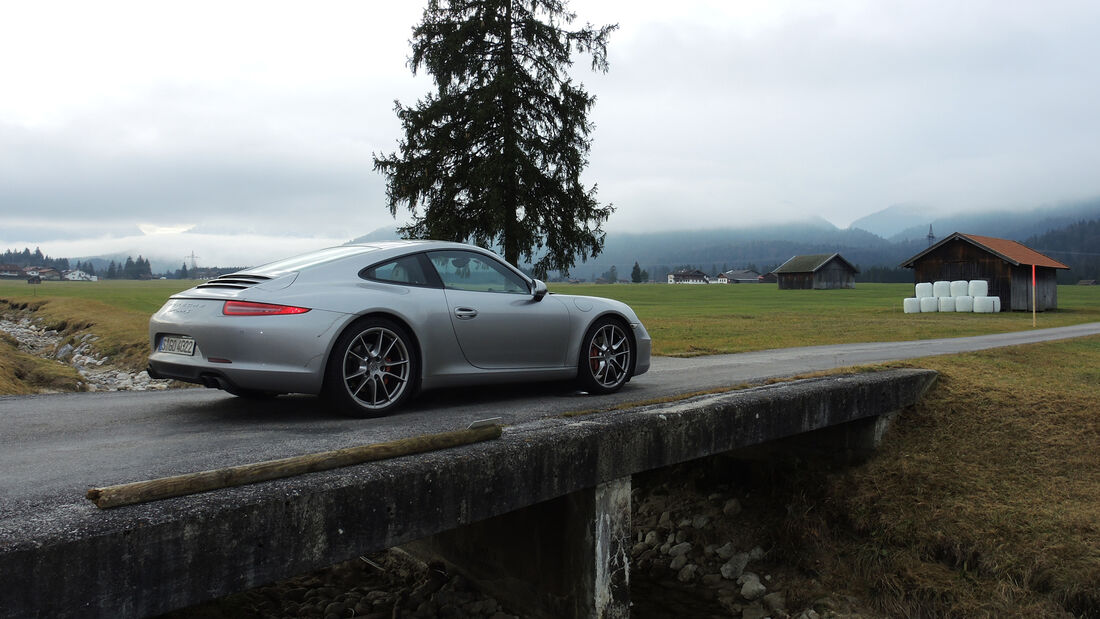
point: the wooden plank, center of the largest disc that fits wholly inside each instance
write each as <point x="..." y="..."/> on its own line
<point x="192" y="483"/>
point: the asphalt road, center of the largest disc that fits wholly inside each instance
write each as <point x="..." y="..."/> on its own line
<point x="54" y="447"/>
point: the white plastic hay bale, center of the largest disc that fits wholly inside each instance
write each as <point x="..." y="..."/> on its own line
<point x="964" y="304"/>
<point x="929" y="304"/>
<point x="978" y="288"/>
<point x="947" y="304"/>
<point x="924" y="290"/>
<point x="911" y="306"/>
<point x="960" y="288"/>
<point x="983" y="305"/>
<point x="941" y="289"/>
<point x="996" y="304"/>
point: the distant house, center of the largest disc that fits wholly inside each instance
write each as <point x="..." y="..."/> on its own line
<point x="693" y="276"/>
<point x="43" y="273"/>
<point x="742" y="276"/>
<point x="11" y="271"/>
<point x="817" y="272"/>
<point x="49" y="274"/>
<point x="1086" y="282"/>
<point x="1005" y="264"/>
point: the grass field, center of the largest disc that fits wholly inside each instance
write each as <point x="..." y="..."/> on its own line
<point x="701" y="320"/>
<point x="683" y="320"/>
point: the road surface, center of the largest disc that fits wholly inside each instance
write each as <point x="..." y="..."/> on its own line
<point x="54" y="447"/>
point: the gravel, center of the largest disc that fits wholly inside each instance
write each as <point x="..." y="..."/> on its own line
<point x="79" y="352"/>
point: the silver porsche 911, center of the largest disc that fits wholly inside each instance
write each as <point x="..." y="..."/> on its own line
<point x="368" y="325"/>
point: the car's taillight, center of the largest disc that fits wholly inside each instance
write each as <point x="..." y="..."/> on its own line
<point x="247" y="308"/>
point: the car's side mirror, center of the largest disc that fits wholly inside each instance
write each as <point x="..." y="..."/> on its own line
<point x="539" y="290"/>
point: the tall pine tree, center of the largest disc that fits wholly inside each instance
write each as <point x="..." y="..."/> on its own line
<point x="494" y="155"/>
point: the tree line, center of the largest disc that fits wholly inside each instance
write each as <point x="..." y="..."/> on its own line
<point x="27" y="258"/>
<point x="131" y="269"/>
<point x="1078" y="247"/>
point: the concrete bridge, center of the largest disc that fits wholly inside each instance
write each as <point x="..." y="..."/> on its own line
<point x="560" y="485"/>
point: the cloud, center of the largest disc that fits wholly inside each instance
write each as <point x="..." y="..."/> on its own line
<point x="713" y="113"/>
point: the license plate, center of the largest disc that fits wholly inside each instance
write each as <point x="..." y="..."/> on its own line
<point x="177" y="345"/>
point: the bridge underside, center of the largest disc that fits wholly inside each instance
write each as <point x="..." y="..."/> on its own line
<point x="568" y="478"/>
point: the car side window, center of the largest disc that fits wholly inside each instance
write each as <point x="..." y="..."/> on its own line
<point x="406" y="270"/>
<point x="463" y="270"/>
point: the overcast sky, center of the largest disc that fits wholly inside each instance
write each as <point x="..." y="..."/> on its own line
<point x="243" y="131"/>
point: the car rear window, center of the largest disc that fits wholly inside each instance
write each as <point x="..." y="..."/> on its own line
<point x="404" y="270"/>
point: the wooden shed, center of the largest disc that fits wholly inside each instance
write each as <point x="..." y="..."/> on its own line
<point x="816" y="271"/>
<point x="1005" y="264"/>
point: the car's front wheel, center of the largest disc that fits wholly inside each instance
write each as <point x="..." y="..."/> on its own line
<point x="372" y="369"/>
<point x="607" y="356"/>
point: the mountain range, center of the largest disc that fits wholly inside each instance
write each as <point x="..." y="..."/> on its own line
<point x="884" y="240"/>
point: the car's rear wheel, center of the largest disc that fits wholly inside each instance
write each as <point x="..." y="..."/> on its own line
<point x="607" y="357"/>
<point x="372" y="369"/>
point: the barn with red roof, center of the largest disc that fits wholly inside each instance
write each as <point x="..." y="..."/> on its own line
<point x="1005" y="264"/>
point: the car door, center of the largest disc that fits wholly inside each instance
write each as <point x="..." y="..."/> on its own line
<point x="497" y="321"/>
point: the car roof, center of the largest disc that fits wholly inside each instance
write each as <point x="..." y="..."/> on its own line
<point x="384" y="250"/>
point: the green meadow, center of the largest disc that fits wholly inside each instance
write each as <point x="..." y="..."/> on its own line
<point x="683" y="320"/>
<point x="688" y="320"/>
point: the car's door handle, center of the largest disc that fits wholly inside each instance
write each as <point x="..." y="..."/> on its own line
<point x="465" y="313"/>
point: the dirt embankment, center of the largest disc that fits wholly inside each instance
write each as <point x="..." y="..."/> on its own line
<point x="44" y="356"/>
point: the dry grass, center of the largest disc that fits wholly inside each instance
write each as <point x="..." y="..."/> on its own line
<point x="123" y="333"/>
<point x="984" y="500"/>
<point x="24" y="374"/>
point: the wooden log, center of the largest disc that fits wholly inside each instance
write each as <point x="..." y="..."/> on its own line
<point x="191" y="483"/>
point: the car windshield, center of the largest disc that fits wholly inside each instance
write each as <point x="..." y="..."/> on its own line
<point x="297" y="263"/>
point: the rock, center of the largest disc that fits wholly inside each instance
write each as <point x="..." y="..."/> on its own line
<point x="679" y="549"/>
<point x="735" y="567"/>
<point x="756" y="553"/>
<point x="64" y="352"/>
<point x="725" y="552"/>
<point x="753" y="611"/>
<point x="665" y="520"/>
<point x="700" y="522"/>
<point x="681" y="537"/>
<point x="809" y="613"/>
<point x="639" y="548"/>
<point x="751" y="587"/>
<point x="776" y="602"/>
<point x="687" y="573"/>
<point x="685" y="523"/>
<point x="651" y="538"/>
<point x="678" y="563"/>
<point x="732" y="507"/>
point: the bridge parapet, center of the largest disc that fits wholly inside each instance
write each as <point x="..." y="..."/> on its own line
<point x="128" y="564"/>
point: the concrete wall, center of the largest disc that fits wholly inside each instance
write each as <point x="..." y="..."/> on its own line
<point x="148" y="559"/>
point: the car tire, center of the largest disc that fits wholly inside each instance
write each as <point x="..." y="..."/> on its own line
<point x="372" y="369"/>
<point x="607" y="357"/>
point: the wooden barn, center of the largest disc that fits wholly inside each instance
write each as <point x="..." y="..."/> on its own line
<point x="1005" y="264"/>
<point x="816" y="271"/>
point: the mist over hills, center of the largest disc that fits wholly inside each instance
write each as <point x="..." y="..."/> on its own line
<point x="879" y="241"/>
<point x="899" y="232"/>
<point x="1005" y="224"/>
